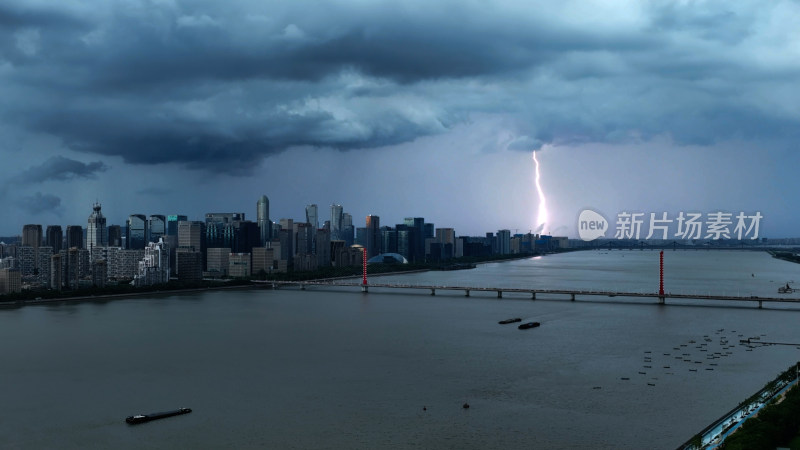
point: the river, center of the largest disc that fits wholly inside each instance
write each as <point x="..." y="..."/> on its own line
<point x="336" y="368"/>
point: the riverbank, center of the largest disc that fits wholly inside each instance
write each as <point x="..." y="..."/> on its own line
<point x="347" y="273"/>
<point x="716" y="435"/>
<point x="786" y="256"/>
<point x="103" y="297"/>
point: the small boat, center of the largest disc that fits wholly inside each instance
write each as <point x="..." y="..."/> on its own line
<point x="142" y="418"/>
<point x="527" y="325"/>
<point x="625" y="378"/>
<point x="507" y="321"/>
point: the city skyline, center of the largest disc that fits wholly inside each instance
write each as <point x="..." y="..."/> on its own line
<point x="639" y="107"/>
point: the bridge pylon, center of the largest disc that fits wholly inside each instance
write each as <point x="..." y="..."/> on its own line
<point x="661" y="297"/>
<point x="364" y="287"/>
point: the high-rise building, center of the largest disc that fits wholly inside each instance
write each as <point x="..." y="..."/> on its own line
<point x="56" y="271"/>
<point x="172" y="223"/>
<point x="74" y="236"/>
<point x="224" y="217"/>
<point x="217" y="260"/>
<point x="504" y="242"/>
<point x="154" y="267"/>
<point x="114" y="236"/>
<point x="418" y="244"/>
<point x="10" y="281"/>
<point x="361" y="237"/>
<point x="262" y="260"/>
<point x="373" y="236"/>
<point x="348" y="230"/>
<point x="191" y="236"/>
<point x="96" y="231"/>
<point x="239" y="265"/>
<point x="304" y="239"/>
<point x="262" y="219"/>
<point x="287" y="247"/>
<point x="156" y="227"/>
<point x="446" y="238"/>
<point x="337" y="213"/>
<point x="323" y="246"/>
<point x="190" y="264"/>
<point x="388" y="240"/>
<point x="32" y="235"/>
<point x="136" y="234"/>
<point x="312" y="216"/>
<point x="55" y="237"/>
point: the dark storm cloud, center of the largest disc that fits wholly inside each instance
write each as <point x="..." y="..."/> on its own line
<point x="61" y="168"/>
<point x="39" y="203"/>
<point x="220" y="87"/>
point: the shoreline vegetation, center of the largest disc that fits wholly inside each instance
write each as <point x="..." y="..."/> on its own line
<point x="776" y="425"/>
<point x="778" y="421"/>
<point x="786" y="256"/>
<point x="124" y="290"/>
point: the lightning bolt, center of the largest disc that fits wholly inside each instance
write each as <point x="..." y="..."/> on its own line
<point x="541" y="219"/>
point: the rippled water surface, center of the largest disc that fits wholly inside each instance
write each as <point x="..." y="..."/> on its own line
<point x="335" y="368"/>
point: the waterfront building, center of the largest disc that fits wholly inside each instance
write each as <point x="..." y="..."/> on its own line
<point x="279" y="265"/>
<point x="446" y="237"/>
<point x="56" y="272"/>
<point x="305" y="262"/>
<point x="99" y="272"/>
<point x="504" y="242"/>
<point x="189" y="264"/>
<point x="54" y="237"/>
<point x="72" y="268"/>
<point x="262" y="259"/>
<point x="123" y="264"/>
<point x="239" y="265"/>
<point x="43" y="255"/>
<point x="262" y="219"/>
<point x="26" y="260"/>
<point x="217" y="261"/>
<point x="32" y="235"/>
<point x="96" y="231"/>
<point x="10" y="281"/>
<point x="337" y="246"/>
<point x="154" y="266"/>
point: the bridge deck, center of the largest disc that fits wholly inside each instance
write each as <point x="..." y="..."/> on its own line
<point x="569" y="292"/>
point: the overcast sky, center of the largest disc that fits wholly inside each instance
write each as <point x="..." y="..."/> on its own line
<point x="427" y="108"/>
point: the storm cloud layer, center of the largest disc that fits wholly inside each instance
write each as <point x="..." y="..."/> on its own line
<point x="221" y="85"/>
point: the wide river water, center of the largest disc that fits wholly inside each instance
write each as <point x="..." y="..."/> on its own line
<point x="336" y="368"/>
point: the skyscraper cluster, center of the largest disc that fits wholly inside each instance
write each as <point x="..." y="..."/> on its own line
<point x="149" y="250"/>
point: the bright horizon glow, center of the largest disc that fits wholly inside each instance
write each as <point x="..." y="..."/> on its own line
<point x="541" y="218"/>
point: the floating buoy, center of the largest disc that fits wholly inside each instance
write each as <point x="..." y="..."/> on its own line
<point x="424" y="408"/>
